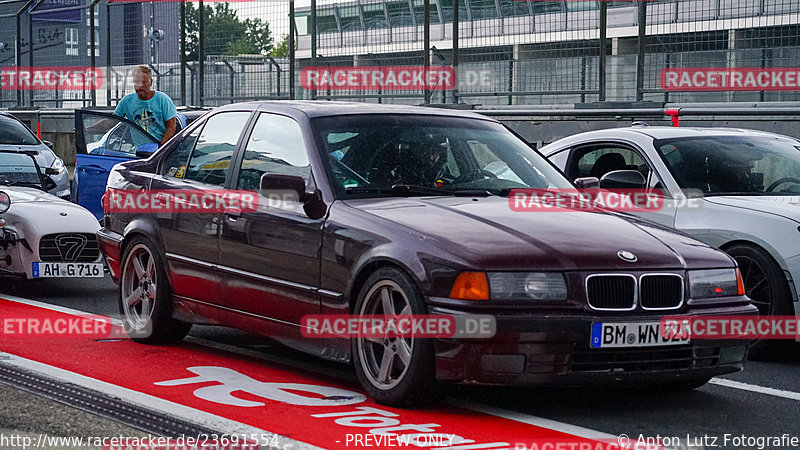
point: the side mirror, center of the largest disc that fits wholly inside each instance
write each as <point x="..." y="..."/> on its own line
<point x="587" y="183"/>
<point x="146" y="150"/>
<point x="49" y="144"/>
<point x="283" y="187"/>
<point x="623" y="179"/>
<point x="51" y="171"/>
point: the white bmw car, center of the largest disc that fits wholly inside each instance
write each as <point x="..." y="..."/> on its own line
<point x="750" y="185"/>
<point x="41" y="235"/>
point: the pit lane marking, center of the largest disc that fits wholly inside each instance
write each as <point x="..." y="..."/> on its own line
<point x="477" y="407"/>
<point x="186" y="413"/>
<point x="755" y="388"/>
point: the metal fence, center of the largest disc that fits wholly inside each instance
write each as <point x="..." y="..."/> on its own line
<point x="503" y="52"/>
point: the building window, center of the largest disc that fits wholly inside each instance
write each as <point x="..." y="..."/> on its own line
<point x="89" y="35"/>
<point x="71" y="41"/>
<point x="96" y="42"/>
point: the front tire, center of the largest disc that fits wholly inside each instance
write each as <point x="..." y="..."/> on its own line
<point x="765" y="285"/>
<point x="145" y="297"/>
<point x="395" y="371"/>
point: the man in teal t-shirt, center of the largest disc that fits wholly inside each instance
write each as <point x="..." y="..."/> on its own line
<point x="151" y="110"/>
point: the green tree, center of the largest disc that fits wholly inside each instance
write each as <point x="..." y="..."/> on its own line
<point x="224" y="33"/>
<point x="282" y="49"/>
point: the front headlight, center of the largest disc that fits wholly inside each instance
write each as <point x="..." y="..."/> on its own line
<point x="715" y="283"/>
<point x="5" y="202"/>
<point x="527" y="286"/>
<point x="58" y="164"/>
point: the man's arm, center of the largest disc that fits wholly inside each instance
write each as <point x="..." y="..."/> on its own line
<point x="171" y="127"/>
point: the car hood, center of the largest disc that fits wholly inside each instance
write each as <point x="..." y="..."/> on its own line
<point x="42" y="213"/>
<point x="787" y="206"/>
<point x="485" y="232"/>
<point x="43" y="158"/>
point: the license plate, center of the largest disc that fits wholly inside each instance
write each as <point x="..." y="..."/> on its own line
<point x="637" y="334"/>
<point x="66" y="270"/>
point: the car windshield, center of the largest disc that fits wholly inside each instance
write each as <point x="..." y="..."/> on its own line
<point x="382" y="155"/>
<point x="19" y="169"/>
<point x="731" y="165"/>
<point x="14" y="133"/>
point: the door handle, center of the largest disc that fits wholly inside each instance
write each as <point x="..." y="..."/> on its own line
<point x="92" y="169"/>
<point x="233" y="214"/>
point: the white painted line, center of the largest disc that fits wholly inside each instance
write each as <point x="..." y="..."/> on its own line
<point x="485" y="409"/>
<point x="533" y="420"/>
<point x="186" y="413"/>
<point x="755" y="388"/>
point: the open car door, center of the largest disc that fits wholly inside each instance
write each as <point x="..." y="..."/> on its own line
<point x="103" y="140"/>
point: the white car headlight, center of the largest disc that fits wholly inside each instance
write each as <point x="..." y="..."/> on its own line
<point x="715" y="283"/>
<point x="58" y="164"/>
<point x="5" y="202"/>
<point x="527" y="286"/>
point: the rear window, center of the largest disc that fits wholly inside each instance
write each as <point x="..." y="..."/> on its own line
<point x="13" y="132"/>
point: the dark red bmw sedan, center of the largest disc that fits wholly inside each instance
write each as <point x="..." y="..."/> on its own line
<point x="260" y="216"/>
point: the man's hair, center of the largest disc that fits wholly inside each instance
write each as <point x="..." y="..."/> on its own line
<point x="145" y="70"/>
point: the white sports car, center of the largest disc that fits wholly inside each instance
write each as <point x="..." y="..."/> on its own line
<point x="750" y="185"/>
<point x="41" y="235"/>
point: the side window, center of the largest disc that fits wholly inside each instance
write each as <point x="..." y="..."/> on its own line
<point x="275" y="146"/>
<point x="597" y="161"/>
<point x="175" y="164"/>
<point x="560" y="159"/>
<point x="110" y="137"/>
<point x="212" y="155"/>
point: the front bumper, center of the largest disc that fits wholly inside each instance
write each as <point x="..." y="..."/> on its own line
<point x="554" y="349"/>
<point x="109" y="243"/>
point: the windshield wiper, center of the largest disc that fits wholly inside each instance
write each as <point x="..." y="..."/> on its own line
<point x="412" y="189"/>
<point x="22" y="183"/>
<point x="398" y="189"/>
<point x="738" y="194"/>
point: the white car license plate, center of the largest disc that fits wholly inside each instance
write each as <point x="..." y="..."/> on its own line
<point x="636" y="334"/>
<point x="67" y="270"/>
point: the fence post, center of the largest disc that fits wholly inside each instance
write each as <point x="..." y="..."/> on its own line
<point x="183" y="53"/>
<point x="18" y="50"/>
<point x="313" y="20"/>
<point x="30" y="49"/>
<point x="640" y="55"/>
<point x="201" y="53"/>
<point x="108" y="54"/>
<point x="455" y="49"/>
<point x="426" y="37"/>
<point x="601" y="60"/>
<point x="92" y="50"/>
<point x="290" y="53"/>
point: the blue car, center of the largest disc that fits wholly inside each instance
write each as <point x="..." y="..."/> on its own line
<point x="103" y="140"/>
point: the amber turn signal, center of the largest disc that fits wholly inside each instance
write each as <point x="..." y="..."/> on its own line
<point x="470" y="286"/>
<point x="739" y="283"/>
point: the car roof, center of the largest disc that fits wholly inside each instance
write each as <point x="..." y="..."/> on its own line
<point x="319" y="108"/>
<point x="678" y="132"/>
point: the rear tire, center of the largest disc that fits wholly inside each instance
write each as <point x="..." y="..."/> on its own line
<point x="767" y="287"/>
<point x="145" y="297"/>
<point x="397" y="371"/>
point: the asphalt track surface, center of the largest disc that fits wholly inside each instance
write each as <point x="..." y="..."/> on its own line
<point x="736" y="411"/>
